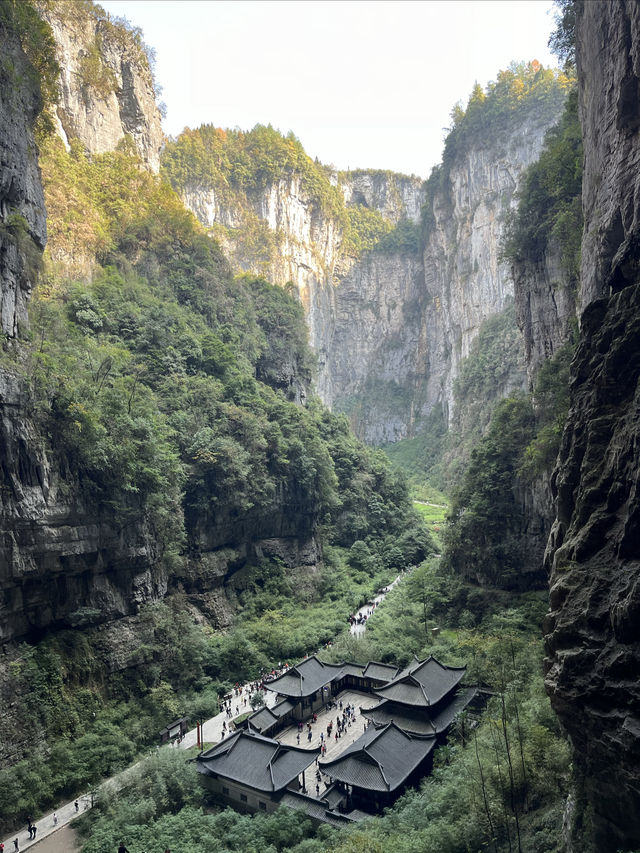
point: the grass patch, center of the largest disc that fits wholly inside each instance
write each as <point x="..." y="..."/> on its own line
<point x="434" y="516"/>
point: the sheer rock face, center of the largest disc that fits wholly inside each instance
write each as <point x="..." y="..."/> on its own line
<point x="593" y="555"/>
<point x="22" y="222"/>
<point x="106" y="85"/>
<point x="63" y="558"/>
<point x="545" y="308"/>
<point x="464" y="278"/>
<point x="391" y="328"/>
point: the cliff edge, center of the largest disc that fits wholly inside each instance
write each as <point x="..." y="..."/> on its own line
<point x="593" y="555"/>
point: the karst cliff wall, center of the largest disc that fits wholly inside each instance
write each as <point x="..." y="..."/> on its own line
<point x="23" y="230"/>
<point x="67" y="557"/>
<point x="390" y="325"/>
<point x="593" y="555"/>
<point x="107" y="92"/>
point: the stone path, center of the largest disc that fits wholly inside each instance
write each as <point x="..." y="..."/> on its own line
<point x="334" y="747"/>
<point x="212" y="728"/>
<point x="46" y="827"/>
<point x="212" y="732"/>
<point x="369" y="609"/>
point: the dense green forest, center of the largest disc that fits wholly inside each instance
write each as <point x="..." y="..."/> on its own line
<point x="169" y="390"/>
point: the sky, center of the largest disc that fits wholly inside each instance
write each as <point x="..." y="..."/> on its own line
<point x="362" y="83"/>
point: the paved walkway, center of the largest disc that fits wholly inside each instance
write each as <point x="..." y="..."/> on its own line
<point x="213" y="732"/>
<point x="334" y="747"/>
<point x="212" y="728"/>
<point x="46" y="824"/>
<point x="358" y="629"/>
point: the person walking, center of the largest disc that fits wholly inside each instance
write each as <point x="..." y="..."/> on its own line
<point x="55" y="821"/>
<point x="122" y="848"/>
<point x="15" y="844"/>
<point x="35" y="829"/>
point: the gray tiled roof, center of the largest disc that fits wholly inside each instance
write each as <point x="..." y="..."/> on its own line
<point x="305" y="678"/>
<point x="443" y="717"/>
<point x="409" y="719"/>
<point x="314" y="808"/>
<point x="257" y="761"/>
<point x="422" y="683"/>
<point x="262" y="719"/>
<point x="380" y="671"/>
<point x="350" y="668"/>
<point x="380" y="760"/>
<point x="282" y="708"/>
<point x="311" y="675"/>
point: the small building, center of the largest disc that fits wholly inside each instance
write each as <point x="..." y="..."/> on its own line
<point x="308" y="684"/>
<point x="378" y="766"/>
<point x="251" y="772"/>
<point x="176" y="729"/>
<point x="266" y="721"/>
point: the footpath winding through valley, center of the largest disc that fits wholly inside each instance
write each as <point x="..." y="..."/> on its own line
<point x="54" y="833"/>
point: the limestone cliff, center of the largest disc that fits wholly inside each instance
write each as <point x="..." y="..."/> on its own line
<point x="22" y="222"/>
<point x="281" y="231"/>
<point x="546" y="307"/>
<point x="392" y="312"/>
<point x="405" y="321"/>
<point x="106" y="85"/>
<point x="592" y="631"/>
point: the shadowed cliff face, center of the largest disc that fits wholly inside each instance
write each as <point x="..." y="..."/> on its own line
<point x="22" y="224"/>
<point x="593" y="628"/>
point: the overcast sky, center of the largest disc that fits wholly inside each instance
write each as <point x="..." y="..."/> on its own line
<point x="362" y="83"/>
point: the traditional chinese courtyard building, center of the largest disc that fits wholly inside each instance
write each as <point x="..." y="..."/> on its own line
<point x="251" y="772"/>
<point x="409" y="712"/>
<point x="380" y="765"/>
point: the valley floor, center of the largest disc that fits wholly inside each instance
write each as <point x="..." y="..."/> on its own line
<point x="61" y="838"/>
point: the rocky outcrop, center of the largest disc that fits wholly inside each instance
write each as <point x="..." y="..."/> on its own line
<point x="284" y="234"/>
<point x="465" y="277"/>
<point x="592" y="630"/>
<point x="22" y="221"/>
<point x="65" y="560"/>
<point x="419" y="315"/>
<point x="395" y="196"/>
<point x="370" y="353"/>
<point x="106" y="85"/>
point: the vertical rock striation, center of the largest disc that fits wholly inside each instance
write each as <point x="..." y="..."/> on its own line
<point x="545" y="306"/>
<point x="106" y="85"/>
<point x="391" y="324"/>
<point x="22" y="221"/>
<point x="593" y="555"/>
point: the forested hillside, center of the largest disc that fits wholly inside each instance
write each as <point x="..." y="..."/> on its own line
<point x="180" y="512"/>
<point x="171" y="471"/>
